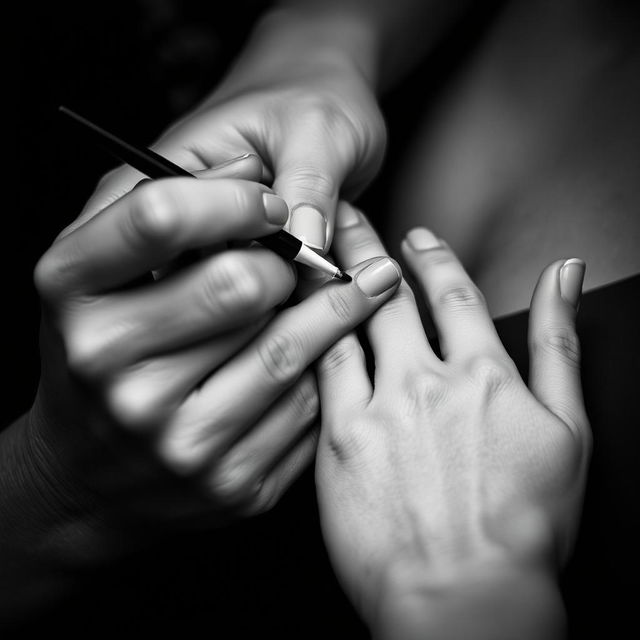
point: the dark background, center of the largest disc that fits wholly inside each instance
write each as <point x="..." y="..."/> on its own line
<point x="136" y="66"/>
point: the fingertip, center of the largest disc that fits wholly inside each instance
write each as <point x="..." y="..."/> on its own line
<point x="421" y="239"/>
<point x="560" y="283"/>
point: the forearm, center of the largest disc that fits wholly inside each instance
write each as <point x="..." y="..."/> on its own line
<point x="484" y="601"/>
<point x="380" y="40"/>
<point x="399" y="33"/>
<point x="50" y="531"/>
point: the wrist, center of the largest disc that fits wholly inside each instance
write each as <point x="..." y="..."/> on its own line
<point x="480" y="598"/>
<point x="297" y="40"/>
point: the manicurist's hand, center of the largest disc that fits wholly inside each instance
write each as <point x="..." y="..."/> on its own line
<point x="184" y="400"/>
<point x="449" y="490"/>
<point x="300" y="97"/>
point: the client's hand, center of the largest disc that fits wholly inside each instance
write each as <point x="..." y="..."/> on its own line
<point x="449" y="491"/>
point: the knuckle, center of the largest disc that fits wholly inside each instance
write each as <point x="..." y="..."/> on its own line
<point x="562" y="342"/>
<point x="153" y="219"/>
<point x="460" y="298"/>
<point x="233" y="485"/>
<point x="48" y="273"/>
<point x="230" y="284"/>
<point x="396" y="306"/>
<point x="185" y="445"/>
<point x="321" y="115"/>
<point x="265" y="496"/>
<point x="281" y="356"/>
<point x="340" y="353"/>
<point x="424" y="392"/>
<point x="133" y="404"/>
<point x="491" y="373"/>
<point x="305" y="398"/>
<point x="86" y="352"/>
<point x="313" y="181"/>
<point x="346" y="442"/>
<point x="339" y="305"/>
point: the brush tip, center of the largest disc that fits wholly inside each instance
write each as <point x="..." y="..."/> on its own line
<point x="345" y="277"/>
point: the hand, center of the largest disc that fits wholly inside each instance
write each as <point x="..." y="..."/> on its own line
<point x="297" y="100"/>
<point x="442" y="475"/>
<point x="185" y="399"/>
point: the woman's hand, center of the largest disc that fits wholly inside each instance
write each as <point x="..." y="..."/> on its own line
<point x="449" y="491"/>
<point x="185" y="400"/>
<point x="299" y="98"/>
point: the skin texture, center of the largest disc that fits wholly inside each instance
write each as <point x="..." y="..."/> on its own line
<point x="144" y="419"/>
<point x="303" y="97"/>
<point x="447" y="487"/>
<point x="149" y="419"/>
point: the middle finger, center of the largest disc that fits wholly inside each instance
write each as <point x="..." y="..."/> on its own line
<point x="225" y="291"/>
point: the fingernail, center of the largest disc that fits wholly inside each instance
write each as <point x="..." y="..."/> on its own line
<point x="377" y="277"/>
<point x="421" y="239"/>
<point x="347" y="217"/>
<point x="276" y="210"/>
<point x="226" y="163"/>
<point x="571" y="279"/>
<point x="309" y="225"/>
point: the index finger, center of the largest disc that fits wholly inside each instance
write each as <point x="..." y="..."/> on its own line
<point x="152" y="225"/>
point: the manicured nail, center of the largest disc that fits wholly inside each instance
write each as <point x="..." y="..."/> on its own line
<point x="377" y="277"/>
<point x="309" y="225"/>
<point x="421" y="239"/>
<point x="227" y="163"/>
<point x="347" y="217"/>
<point x="276" y="210"/>
<point x="571" y="279"/>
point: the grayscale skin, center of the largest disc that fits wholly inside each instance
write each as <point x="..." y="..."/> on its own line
<point x="449" y="491"/>
<point x="299" y="108"/>
<point x="182" y="399"/>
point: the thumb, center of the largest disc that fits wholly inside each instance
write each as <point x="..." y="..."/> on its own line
<point x="554" y="348"/>
<point x="311" y="185"/>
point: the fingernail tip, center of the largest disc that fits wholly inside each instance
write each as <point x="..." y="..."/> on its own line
<point x="578" y="261"/>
